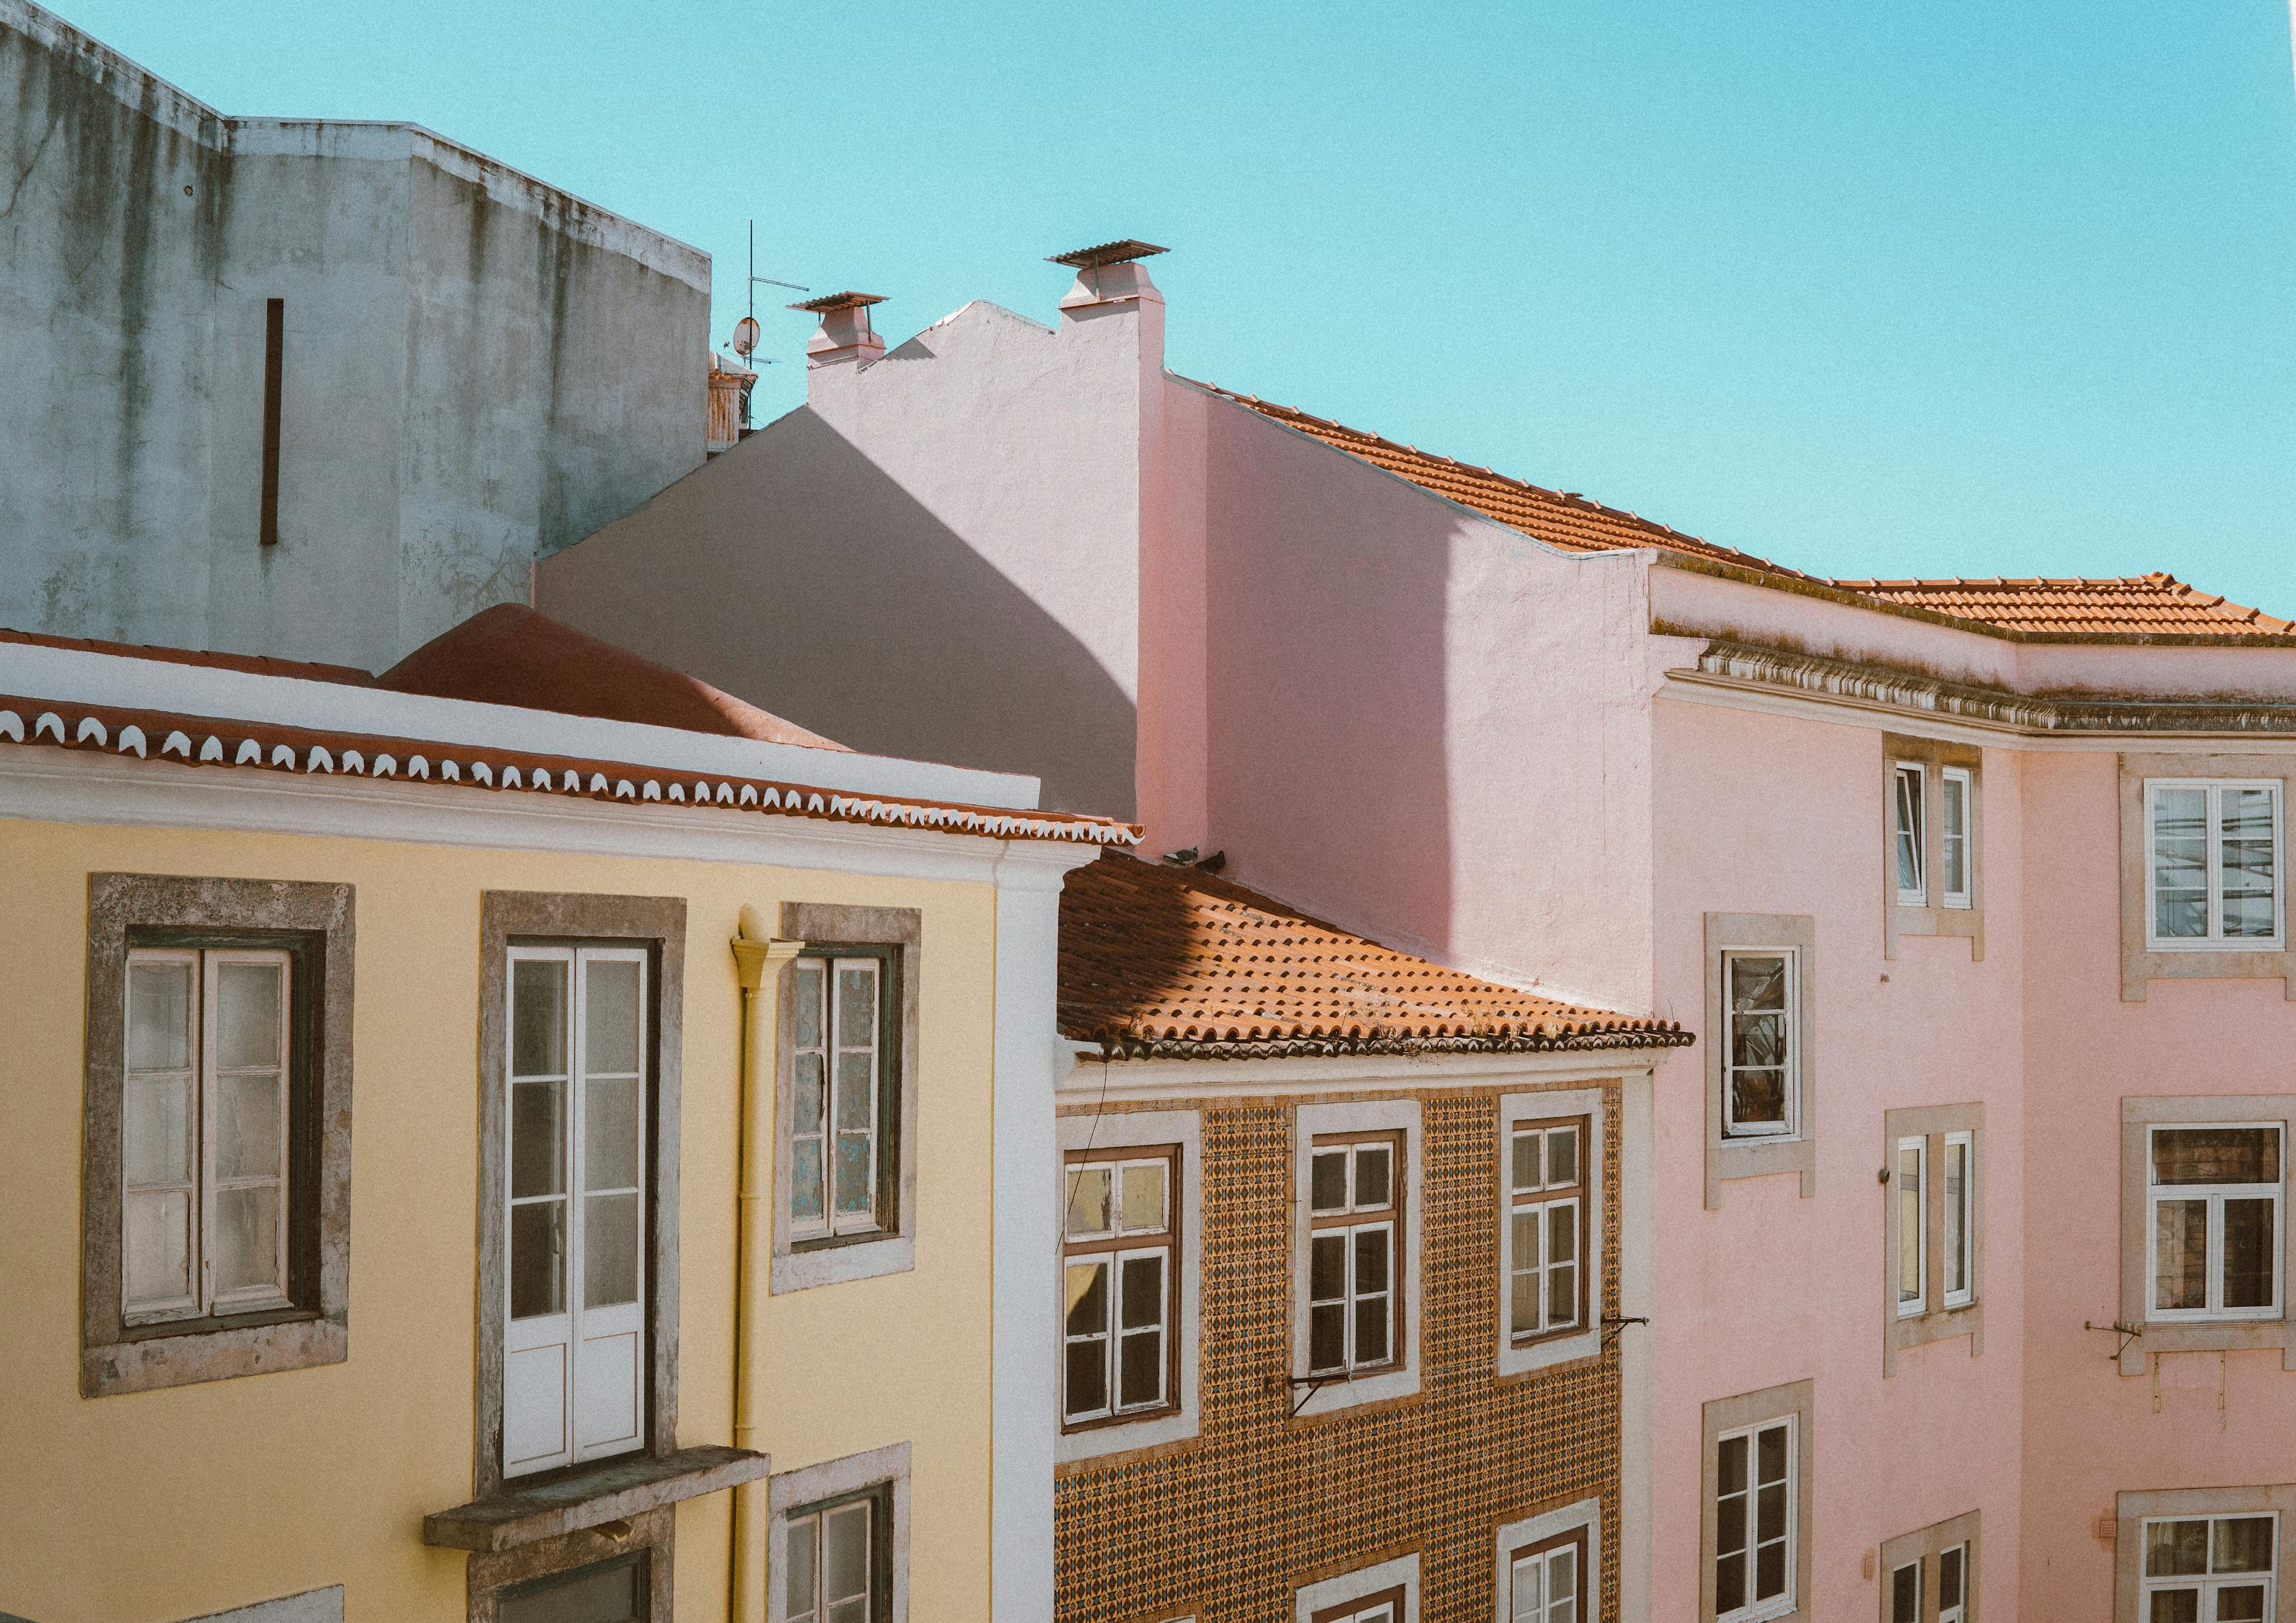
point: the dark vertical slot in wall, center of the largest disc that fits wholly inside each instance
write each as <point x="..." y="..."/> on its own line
<point x="275" y="329"/>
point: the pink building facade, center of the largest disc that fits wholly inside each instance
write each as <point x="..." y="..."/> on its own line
<point x="1902" y="855"/>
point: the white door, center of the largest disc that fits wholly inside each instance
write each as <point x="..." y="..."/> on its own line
<point x="573" y="1364"/>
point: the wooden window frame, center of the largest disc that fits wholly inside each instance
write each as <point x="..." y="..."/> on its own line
<point x="2215" y="1194"/>
<point x="1350" y="1612"/>
<point x="1116" y="1246"/>
<point x="1575" y="1540"/>
<point x="1352" y="1219"/>
<point x="1934" y="909"/>
<point x="1580" y="1194"/>
<point x="312" y="923"/>
<point x="1925" y="1551"/>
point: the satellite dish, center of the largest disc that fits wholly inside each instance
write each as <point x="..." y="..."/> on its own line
<point x="746" y="332"/>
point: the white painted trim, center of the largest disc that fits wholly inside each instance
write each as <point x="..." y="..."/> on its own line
<point x="1331" y="1592"/>
<point x="1638" y="1262"/>
<point x="1088" y="1076"/>
<point x="72" y="786"/>
<point x="1514" y="1360"/>
<point x="1536" y="1529"/>
<point x="69" y="674"/>
<point x="1360" y="1116"/>
<point x="787" y="1490"/>
<point x="1126" y="1129"/>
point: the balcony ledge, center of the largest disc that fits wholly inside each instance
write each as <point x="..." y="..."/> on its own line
<point x="611" y="1490"/>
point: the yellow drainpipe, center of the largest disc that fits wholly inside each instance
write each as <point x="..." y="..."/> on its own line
<point x="752" y="953"/>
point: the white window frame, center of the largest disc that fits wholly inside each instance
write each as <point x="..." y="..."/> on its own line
<point x="204" y="1081"/>
<point x="1915" y="1306"/>
<point x="1312" y="1600"/>
<point x="1757" y="1610"/>
<point x="811" y="1527"/>
<point x="1914" y="1567"/>
<point x="1378" y="1218"/>
<point x="1791" y="1015"/>
<point x="1958" y="1613"/>
<point x="2208" y="1585"/>
<point x="1949" y="779"/>
<point x="2214" y="939"/>
<point x="1912" y="840"/>
<point x="796" y="1492"/>
<point x="2216" y="1195"/>
<point x="1960" y="1249"/>
<point x="1518" y="1112"/>
<point x="594" y="1341"/>
<point x="1322" y="1394"/>
<point x="833" y="968"/>
<point x="1113" y="1335"/>
<point x="1583" y="1517"/>
<point x="1539" y="1202"/>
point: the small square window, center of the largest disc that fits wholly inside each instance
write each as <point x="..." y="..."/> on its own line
<point x="2213" y="865"/>
<point x="2214" y="1219"/>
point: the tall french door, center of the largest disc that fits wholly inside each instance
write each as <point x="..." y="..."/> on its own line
<point x="574" y="1352"/>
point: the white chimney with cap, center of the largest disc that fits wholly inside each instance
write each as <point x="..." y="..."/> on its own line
<point x="846" y="336"/>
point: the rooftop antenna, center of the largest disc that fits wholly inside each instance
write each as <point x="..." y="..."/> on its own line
<point x="746" y="331"/>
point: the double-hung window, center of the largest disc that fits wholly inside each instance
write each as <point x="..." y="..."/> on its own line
<point x="2215" y="1215"/>
<point x="2210" y="1569"/>
<point x="2213" y="861"/>
<point x="1547" y="1285"/>
<point x="574" y="1362"/>
<point x="844" y="1108"/>
<point x="1355" y="1205"/>
<point x="1754" y="1553"/>
<point x="1957" y="795"/>
<point x="839" y="1567"/>
<point x="1120" y="1293"/>
<point x="1911" y="1183"/>
<point x="1759" y="1082"/>
<point x="1547" y="1582"/>
<point x="207" y="1126"/>
<point x="1909" y="795"/>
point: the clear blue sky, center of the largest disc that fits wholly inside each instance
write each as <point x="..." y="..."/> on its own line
<point x="1958" y="287"/>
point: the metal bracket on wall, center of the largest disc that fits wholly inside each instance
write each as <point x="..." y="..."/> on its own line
<point x="1314" y="1383"/>
<point x="1612" y="1327"/>
<point x="2128" y="1334"/>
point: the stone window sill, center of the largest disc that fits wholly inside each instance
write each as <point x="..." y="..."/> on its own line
<point x="609" y="1490"/>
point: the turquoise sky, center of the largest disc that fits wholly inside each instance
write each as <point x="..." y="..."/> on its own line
<point x="1947" y="288"/>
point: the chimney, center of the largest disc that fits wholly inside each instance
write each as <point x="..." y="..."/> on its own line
<point x="845" y="337"/>
<point x="1110" y="278"/>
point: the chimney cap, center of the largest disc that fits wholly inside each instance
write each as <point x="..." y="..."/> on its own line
<point x="1120" y="252"/>
<point x="830" y="303"/>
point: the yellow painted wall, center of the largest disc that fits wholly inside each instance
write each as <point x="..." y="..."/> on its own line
<point x="162" y="1505"/>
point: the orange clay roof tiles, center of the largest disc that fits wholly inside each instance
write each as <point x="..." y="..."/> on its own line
<point x="1162" y="961"/>
<point x="2155" y="604"/>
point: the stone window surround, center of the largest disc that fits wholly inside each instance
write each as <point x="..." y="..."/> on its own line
<point x="1925" y="1546"/>
<point x="1937" y="1322"/>
<point x="1362" y="1584"/>
<point x="1721" y="1414"/>
<point x="1311" y="1121"/>
<point x="2140" y="964"/>
<point x="115" y="1359"/>
<point x="2131" y="1511"/>
<point x="791" y="1490"/>
<point x="1121" y="1129"/>
<point x="1571" y="1346"/>
<point x="651" y="1532"/>
<point x="1934" y="754"/>
<point x="802" y="1266"/>
<point x="659" y="924"/>
<point x="2184" y="1335"/>
<point x="1588" y="1514"/>
<point x="1737" y="1158"/>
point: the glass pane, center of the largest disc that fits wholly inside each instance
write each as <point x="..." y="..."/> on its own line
<point x="801" y="1590"/>
<point x="1087" y="1382"/>
<point x="2216" y="1155"/>
<point x="1563" y="1155"/>
<point x="159" y="1016"/>
<point x="537" y="1259"/>
<point x="1957" y="1206"/>
<point x="1770" y="1572"/>
<point x="2180" y="1254"/>
<point x="1526" y="1161"/>
<point x="1562" y="1233"/>
<point x="249" y="1126"/>
<point x="2247" y="1253"/>
<point x="856" y="1174"/>
<point x="1528" y="1601"/>
<point x="845" y="1553"/>
<point x="1909" y="1226"/>
<point x="1371" y="1331"/>
<point x="1562" y="1575"/>
<point x="2247" y="860"/>
<point x="537" y="1018"/>
<point x="157" y="1256"/>
<point x="1756" y="983"/>
<point x="1758" y="1097"/>
<point x="1327" y="1181"/>
<point x="155" y="1130"/>
<point x="1143" y="1292"/>
<point x="1088" y="1191"/>
<point x="1772" y="1442"/>
<point x="805" y="1181"/>
<point x="609" y="1015"/>
<point x="2177" y="1606"/>
<point x="1906" y="1595"/>
<point x="1371" y="1260"/>
<point x="2175" y="1549"/>
<point x="1770" y="1512"/>
<point x="2180" y="863"/>
<point x="1327" y="1336"/>
<point x="610" y="1132"/>
<point x="1758" y="1039"/>
<point x="606" y="1594"/>
<point x="812" y="986"/>
<point x="1522" y="1312"/>
<point x="2240" y="1603"/>
<point x="806" y="1110"/>
<point x="247" y="1239"/>
<point x="1374" y="1181"/>
<point x="1327" y="1267"/>
<point x="1730" y="1583"/>
<point x="1909" y="829"/>
<point x="856" y="1093"/>
<point x="2243" y="1543"/>
<point x="856" y="1006"/>
<point x="1141" y="1378"/>
<point x="247" y="1015"/>
<point x="610" y="1251"/>
<point x="1731" y="1473"/>
<point x="1950" y="1569"/>
<point x="537" y="1139"/>
<point x="1143" y="1199"/>
<point x="1562" y="1294"/>
<point x="1087" y="1294"/>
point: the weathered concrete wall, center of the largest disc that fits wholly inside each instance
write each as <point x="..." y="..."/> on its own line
<point x="476" y="367"/>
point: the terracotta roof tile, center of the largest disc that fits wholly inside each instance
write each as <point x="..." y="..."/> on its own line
<point x="2154" y="605"/>
<point x="1157" y="960"/>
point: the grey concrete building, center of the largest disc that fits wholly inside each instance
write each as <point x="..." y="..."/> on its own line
<point x="313" y="390"/>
